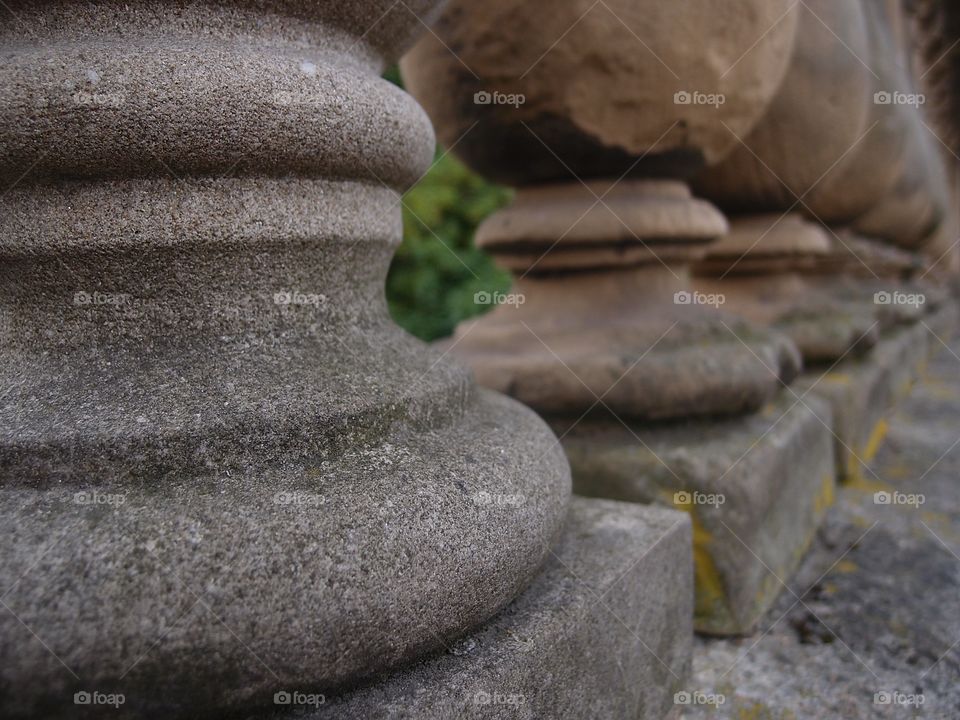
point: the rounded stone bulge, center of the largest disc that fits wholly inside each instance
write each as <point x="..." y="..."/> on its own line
<point x="527" y="98"/>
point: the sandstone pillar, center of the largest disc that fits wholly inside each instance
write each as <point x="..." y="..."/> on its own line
<point x="604" y="228"/>
<point x="838" y="144"/>
<point x="844" y="144"/>
<point x="605" y="333"/>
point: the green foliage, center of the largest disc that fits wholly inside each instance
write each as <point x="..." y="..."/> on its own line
<point x="437" y="269"/>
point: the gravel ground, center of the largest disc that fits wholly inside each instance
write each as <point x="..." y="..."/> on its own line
<point x="869" y="627"/>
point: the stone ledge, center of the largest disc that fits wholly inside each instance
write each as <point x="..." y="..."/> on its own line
<point x="774" y="470"/>
<point x="604" y="631"/>
<point x="862" y="391"/>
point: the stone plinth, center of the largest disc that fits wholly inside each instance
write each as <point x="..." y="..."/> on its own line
<point x="863" y="391"/>
<point x="756" y="488"/>
<point x="224" y="470"/>
<point x="604" y="631"/>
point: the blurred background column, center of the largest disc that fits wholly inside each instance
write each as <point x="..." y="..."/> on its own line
<point x="599" y="114"/>
<point x="843" y="185"/>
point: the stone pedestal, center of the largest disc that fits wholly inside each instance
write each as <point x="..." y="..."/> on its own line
<point x="604" y="631"/>
<point x="843" y="142"/>
<point x="604" y="318"/>
<point x="763" y="268"/>
<point x="756" y="488"/>
<point x="225" y="473"/>
<point x="864" y="390"/>
<point x="603" y="307"/>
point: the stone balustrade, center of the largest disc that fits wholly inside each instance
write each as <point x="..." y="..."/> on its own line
<point x="225" y="471"/>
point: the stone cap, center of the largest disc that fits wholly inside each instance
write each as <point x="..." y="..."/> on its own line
<point x="600" y="224"/>
<point x="765" y="244"/>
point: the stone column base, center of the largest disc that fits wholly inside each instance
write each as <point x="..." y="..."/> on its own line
<point x="603" y="631"/>
<point x="863" y="390"/>
<point x="756" y="488"/>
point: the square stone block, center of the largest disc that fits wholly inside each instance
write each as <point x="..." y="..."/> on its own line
<point x="605" y="630"/>
<point x="863" y="391"/>
<point x="756" y="488"/>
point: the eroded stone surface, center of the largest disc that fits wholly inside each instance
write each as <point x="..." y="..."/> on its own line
<point x="635" y="338"/>
<point x="564" y="59"/>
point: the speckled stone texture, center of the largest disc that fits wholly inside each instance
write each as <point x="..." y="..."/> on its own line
<point x="223" y="469"/>
<point x="603" y="632"/>
<point x="772" y="469"/>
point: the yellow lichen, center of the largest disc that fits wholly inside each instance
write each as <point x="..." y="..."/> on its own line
<point x="877" y="437"/>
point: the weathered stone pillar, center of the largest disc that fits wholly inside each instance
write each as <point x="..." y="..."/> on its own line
<point x="844" y="143"/>
<point x="604" y="228"/>
<point x="230" y="483"/>
<point x="763" y="266"/>
<point x="225" y="471"/>
<point x="599" y="115"/>
<point x="932" y="28"/>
